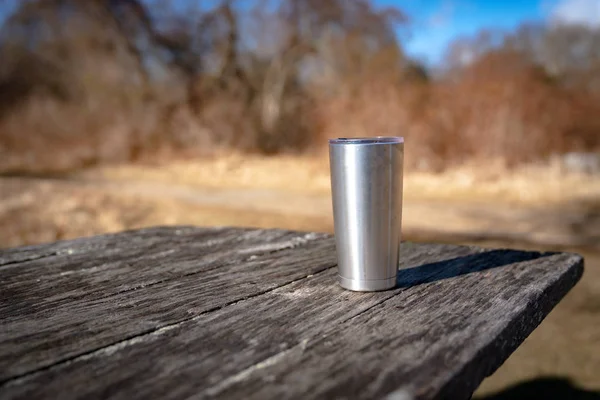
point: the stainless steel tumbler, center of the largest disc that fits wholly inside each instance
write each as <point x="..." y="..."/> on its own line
<point x="366" y="188"/>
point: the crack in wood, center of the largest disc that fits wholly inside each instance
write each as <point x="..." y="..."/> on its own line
<point x="247" y="373"/>
<point x="275" y="248"/>
<point x="121" y="344"/>
<point x="12" y="263"/>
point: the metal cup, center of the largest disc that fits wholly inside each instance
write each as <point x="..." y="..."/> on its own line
<point x="366" y="188"/>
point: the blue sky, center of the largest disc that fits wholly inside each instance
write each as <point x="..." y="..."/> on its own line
<point x="435" y="23"/>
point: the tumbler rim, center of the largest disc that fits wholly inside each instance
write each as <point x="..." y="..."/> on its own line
<point x="368" y="140"/>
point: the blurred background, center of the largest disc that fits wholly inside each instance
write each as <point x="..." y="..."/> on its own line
<point x="119" y="114"/>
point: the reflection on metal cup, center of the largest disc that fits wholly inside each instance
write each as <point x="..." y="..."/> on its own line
<point x="366" y="188"/>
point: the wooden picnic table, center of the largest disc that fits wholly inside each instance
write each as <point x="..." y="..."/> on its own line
<point x="179" y="312"/>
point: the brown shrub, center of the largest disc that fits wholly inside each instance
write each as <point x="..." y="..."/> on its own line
<point x="85" y="94"/>
<point x="500" y="107"/>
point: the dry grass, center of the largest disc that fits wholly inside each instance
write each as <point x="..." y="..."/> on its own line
<point x="234" y="170"/>
<point x="42" y="212"/>
<point x="528" y="185"/>
<point x="33" y="212"/>
<point x="540" y="186"/>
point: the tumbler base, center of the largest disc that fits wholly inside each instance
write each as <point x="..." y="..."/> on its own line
<point x="367" y="285"/>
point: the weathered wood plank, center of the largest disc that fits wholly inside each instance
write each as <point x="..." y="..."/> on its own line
<point x="84" y="299"/>
<point x="84" y="244"/>
<point x="102" y="266"/>
<point x="457" y="314"/>
<point x="439" y="341"/>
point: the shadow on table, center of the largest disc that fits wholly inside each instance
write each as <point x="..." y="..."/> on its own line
<point x="543" y="388"/>
<point x="464" y="265"/>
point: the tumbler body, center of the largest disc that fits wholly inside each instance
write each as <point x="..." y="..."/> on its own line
<point x="367" y="188"/>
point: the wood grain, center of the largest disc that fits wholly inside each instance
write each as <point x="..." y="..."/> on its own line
<point x="269" y="321"/>
<point x="92" y="293"/>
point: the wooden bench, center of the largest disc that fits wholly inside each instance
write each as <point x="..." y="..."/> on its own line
<point x="184" y="312"/>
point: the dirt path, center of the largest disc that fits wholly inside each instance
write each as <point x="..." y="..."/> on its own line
<point x="570" y="226"/>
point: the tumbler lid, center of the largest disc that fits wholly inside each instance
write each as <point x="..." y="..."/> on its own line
<point x="368" y="140"/>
